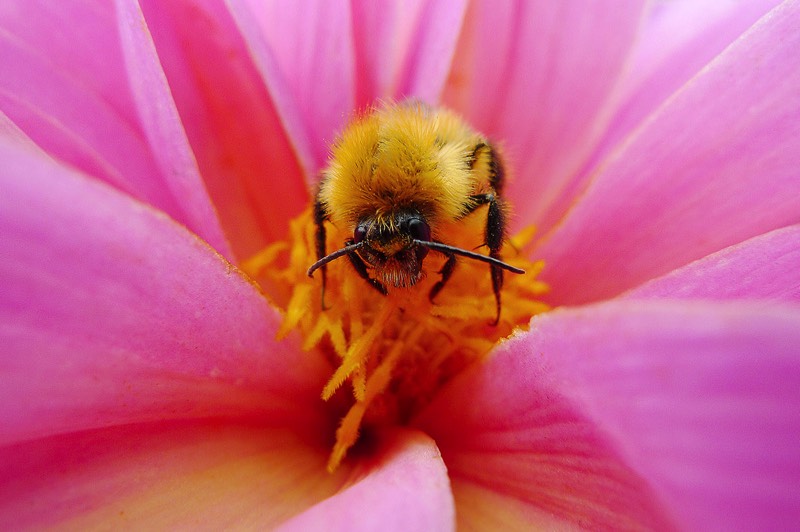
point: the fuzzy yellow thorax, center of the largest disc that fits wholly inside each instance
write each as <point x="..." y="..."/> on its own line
<point x="402" y="155"/>
<point x="390" y="354"/>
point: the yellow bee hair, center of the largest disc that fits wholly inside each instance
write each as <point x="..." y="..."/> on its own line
<point x="399" y="156"/>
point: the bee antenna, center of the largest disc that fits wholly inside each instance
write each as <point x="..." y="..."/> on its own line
<point x="333" y="256"/>
<point x="438" y="246"/>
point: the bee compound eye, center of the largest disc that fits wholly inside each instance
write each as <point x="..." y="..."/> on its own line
<point x="359" y="234"/>
<point x="419" y="230"/>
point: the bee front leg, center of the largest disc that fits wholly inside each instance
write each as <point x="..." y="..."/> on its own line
<point x="446" y="272"/>
<point x="495" y="232"/>
<point x="493" y="238"/>
<point x="320" y="236"/>
<point x="361" y="269"/>
<point x="496" y="217"/>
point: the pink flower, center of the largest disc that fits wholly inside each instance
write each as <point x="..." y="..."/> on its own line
<point x="148" y="149"/>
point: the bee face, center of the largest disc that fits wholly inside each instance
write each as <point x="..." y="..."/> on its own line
<point x="391" y="248"/>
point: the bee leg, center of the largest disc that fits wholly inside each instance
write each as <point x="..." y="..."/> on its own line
<point x="496" y="174"/>
<point x="361" y="269"/>
<point x="493" y="238"/>
<point x="446" y="272"/>
<point x="319" y="220"/>
<point x="495" y="231"/>
<point x="496" y="218"/>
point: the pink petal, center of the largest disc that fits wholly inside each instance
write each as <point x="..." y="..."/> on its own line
<point x="404" y="49"/>
<point x="66" y="88"/>
<point x="77" y="41"/>
<point x="764" y="267"/>
<point x="321" y="61"/>
<point x="11" y="133"/>
<point x="677" y="41"/>
<point x="163" y="129"/>
<point x="243" y="153"/>
<point x="537" y="77"/>
<point x="522" y="456"/>
<point x="112" y="313"/>
<point x="163" y="476"/>
<point x="404" y="487"/>
<point x="717" y="165"/>
<point x="305" y="55"/>
<point x="54" y="79"/>
<point x="612" y="411"/>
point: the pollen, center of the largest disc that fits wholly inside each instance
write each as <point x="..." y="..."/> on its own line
<point x="390" y="354"/>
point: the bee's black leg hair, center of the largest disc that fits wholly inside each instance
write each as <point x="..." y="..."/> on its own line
<point x="495" y="232"/>
<point x="319" y="220"/>
<point x="495" y="219"/>
<point x="446" y="272"/>
<point x="496" y="172"/>
<point x="361" y="268"/>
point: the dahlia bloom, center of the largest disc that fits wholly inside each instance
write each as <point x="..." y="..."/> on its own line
<point x="151" y="148"/>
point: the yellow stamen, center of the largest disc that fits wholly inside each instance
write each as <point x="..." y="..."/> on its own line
<point x="395" y="351"/>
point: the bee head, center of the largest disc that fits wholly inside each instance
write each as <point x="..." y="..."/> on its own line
<point x="395" y="248"/>
<point x="391" y="246"/>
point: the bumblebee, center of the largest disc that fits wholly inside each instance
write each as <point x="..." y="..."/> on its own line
<point x="396" y="175"/>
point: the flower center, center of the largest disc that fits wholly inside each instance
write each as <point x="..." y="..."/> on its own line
<point x="393" y="352"/>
